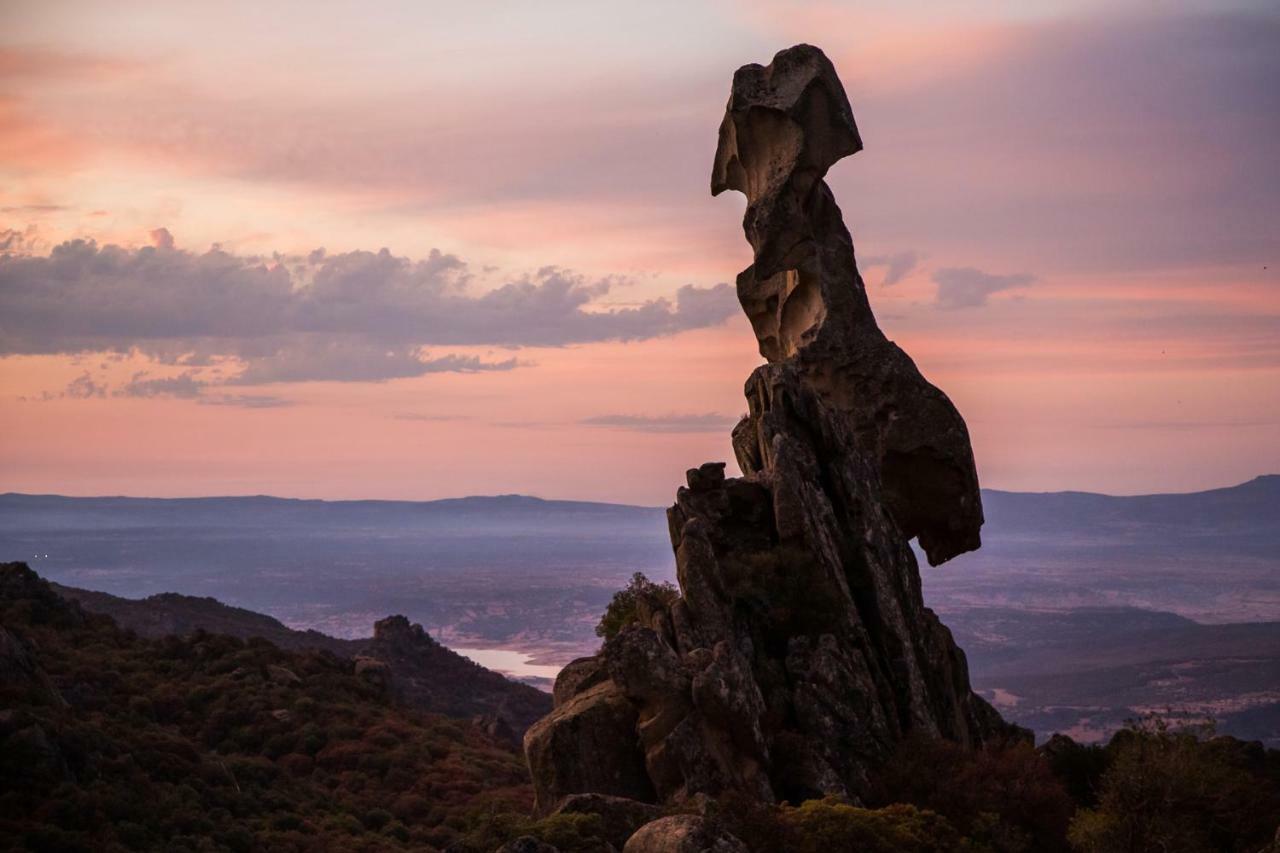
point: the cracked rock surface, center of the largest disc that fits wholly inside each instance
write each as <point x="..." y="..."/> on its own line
<point x="799" y="652"/>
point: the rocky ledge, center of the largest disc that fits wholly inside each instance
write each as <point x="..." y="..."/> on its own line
<point x="799" y="652"/>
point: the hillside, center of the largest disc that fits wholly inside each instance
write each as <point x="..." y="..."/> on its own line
<point x="110" y="740"/>
<point x="422" y="673"/>
<point x="1087" y="671"/>
<point x="1249" y="510"/>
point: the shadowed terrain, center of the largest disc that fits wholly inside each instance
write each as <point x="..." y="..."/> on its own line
<point x="1112" y="583"/>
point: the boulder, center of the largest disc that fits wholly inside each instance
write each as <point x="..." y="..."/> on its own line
<point x="577" y="676"/>
<point x="682" y="834"/>
<point x="587" y="745"/>
<point x="283" y="675"/>
<point x="368" y="667"/>
<point x="374" y="671"/>
<point x="621" y="816"/>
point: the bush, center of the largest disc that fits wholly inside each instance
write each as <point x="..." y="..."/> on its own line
<point x="630" y="602"/>
<point x="825" y="826"/>
<point x="1172" y="790"/>
<point x="130" y="763"/>
<point x="1003" y="795"/>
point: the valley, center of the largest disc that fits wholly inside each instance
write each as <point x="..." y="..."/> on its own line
<point x="1078" y="612"/>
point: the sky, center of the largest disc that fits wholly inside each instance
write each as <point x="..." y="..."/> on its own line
<point x="419" y="249"/>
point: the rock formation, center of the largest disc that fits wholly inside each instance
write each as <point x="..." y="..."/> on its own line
<point x="800" y="650"/>
<point x="684" y="833"/>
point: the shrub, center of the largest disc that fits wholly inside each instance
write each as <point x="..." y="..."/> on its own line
<point x="1176" y="791"/>
<point x="825" y="826"/>
<point x="1004" y="795"/>
<point x="629" y="602"/>
<point x="130" y="762"/>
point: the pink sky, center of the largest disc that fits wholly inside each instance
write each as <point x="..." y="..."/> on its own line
<point x="1066" y="213"/>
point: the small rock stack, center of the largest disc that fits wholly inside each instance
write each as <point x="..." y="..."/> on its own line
<point x="799" y="652"/>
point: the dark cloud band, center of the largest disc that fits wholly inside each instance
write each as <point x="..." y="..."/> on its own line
<point x="357" y="316"/>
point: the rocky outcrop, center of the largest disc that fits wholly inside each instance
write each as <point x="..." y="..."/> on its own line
<point x="621" y="817"/>
<point x="587" y="745"/>
<point x="682" y="834"/>
<point x="800" y="650"/>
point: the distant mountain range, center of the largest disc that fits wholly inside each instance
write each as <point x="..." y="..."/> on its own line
<point x="1247" y="509"/>
<point x="1080" y="608"/>
<point x="1239" y="518"/>
<point x="39" y="511"/>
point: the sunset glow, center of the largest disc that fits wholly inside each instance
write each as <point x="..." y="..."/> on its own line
<point x="1066" y="213"/>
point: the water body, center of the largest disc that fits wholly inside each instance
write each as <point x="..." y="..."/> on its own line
<point x="510" y="662"/>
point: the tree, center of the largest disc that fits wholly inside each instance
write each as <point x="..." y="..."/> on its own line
<point x="1173" y="790"/>
<point x="630" y="603"/>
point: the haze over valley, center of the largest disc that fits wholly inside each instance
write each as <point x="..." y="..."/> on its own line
<point x="1079" y="610"/>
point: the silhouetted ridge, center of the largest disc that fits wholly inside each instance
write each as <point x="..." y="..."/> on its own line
<point x="799" y="653"/>
<point x="419" y="671"/>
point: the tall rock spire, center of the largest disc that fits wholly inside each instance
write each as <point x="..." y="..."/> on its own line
<point x="799" y="651"/>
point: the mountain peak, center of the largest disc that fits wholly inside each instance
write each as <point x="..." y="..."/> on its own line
<point x="398" y="630"/>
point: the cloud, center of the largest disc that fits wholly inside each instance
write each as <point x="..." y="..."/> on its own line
<point x="27" y="209"/>
<point x="185" y="385"/>
<point x="1188" y="425"/>
<point x="897" y="266"/>
<point x="1109" y="142"/>
<point x="710" y="422"/>
<point x="189" y="386"/>
<point x="15" y="242"/>
<point x="415" y="416"/>
<point x="966" y="287"/>
<point x="247" y="401"/>
<point x="43" y="63"/>
<point x="161" y="238"/>
<point x="1132" y="139"/>
<point x="355" y="361"/>
<point x="351" y="317"/>
<point x="83" y="387"/>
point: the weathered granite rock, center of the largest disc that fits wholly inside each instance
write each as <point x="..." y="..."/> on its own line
<point x="577" y="676"/>
<point x="621" y="817"/>
<point x="372" y="670"/>
<point x="800" y="650"/>
<point x="283" y="675"/>
<point x="683" y="833"/>
<point x="587" y="745"/>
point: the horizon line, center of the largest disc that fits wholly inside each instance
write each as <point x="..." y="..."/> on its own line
<point x="523" y="496"/>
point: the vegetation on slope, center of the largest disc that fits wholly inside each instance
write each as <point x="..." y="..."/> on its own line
<point x="423" y="673"/>
<point x="111" y="741"/>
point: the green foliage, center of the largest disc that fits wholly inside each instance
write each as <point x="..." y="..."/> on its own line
<point x="571" y="833"/>
<point x="568" y="833"/>
<point x="201" y="743"/>
<point x="630" y="603"/>
<point x="210" y="743"/>
<point x="823" y="826"/>
<point x="1079" y="767"/>
<point x="1003" y="796"/>
<point x="1170" y="790"/>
